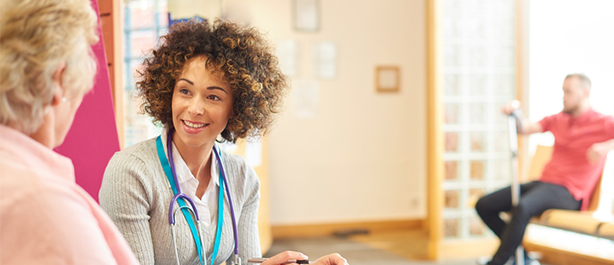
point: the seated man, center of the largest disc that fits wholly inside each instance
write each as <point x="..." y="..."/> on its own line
<point x="582" y="139"/>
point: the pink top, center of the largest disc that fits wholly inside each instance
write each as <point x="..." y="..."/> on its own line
<point x="45" y="217"/>
<point x="569" y="166"/>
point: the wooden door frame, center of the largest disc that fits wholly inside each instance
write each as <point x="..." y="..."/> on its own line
<point x="434" y="96"/>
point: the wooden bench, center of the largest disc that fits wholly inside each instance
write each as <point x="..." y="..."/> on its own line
<point x="606" y="230"/>
<point x="588" y="222"/>
<point x="596" y="222"/>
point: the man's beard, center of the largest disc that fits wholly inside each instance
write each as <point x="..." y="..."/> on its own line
<point x="570" y="110"/>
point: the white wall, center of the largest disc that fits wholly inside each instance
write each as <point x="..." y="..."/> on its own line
<point x="569" y="36"/>
<point x="362" y="157"/>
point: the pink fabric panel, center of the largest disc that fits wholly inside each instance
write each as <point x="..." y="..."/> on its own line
<point x="92" y="139"/>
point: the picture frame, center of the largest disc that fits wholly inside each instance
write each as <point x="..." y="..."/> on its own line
<point x="387" y="79"/>
<point x="306" y="15"/>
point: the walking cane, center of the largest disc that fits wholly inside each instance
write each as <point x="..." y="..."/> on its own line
<point x="515" y="181"/>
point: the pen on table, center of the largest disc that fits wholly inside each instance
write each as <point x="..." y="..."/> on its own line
<point x="300" y="261"/>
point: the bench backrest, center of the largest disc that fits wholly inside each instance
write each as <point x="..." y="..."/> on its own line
<point x="542" y="156"/>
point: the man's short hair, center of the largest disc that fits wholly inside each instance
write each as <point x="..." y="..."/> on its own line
<point x="584" y="80"/>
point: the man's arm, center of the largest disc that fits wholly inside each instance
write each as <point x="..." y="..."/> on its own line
<point x="527" y="127"/>
<point x="598" y="150"/>
<point x="523" y="126"/>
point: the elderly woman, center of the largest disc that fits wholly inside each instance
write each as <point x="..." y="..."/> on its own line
<point x="46" y="66"/>
<point x="206" y="82"/>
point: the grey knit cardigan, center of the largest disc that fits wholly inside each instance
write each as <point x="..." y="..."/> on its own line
<point x="136" y="194"/>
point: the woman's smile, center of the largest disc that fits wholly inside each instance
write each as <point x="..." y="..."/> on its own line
<point x="194" y="127"/>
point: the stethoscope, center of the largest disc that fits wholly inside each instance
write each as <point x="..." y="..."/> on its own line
<point x="180" y="198"/>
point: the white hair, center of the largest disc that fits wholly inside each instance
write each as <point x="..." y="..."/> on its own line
<point x="36" y="37"/>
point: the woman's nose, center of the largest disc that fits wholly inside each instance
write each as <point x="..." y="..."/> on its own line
<point x="196" y="107"/>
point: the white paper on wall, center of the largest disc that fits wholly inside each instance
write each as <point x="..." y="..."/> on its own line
<point x="287" y="54"/>
<point x="325" y="59"/>
<point x="306" y="15"/>
<point x="306" y="98"/>
<point x="253" y="153"/>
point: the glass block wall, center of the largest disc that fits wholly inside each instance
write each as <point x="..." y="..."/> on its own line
<point x="478" y="42"/>
<point x="144" y="22"/>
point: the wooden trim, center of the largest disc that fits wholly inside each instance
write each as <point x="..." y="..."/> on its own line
<point x="434" y="133"/>
<point x="118" y="66"/>
<point x="316" y="230"/>
<point x="522" y="18"/>
<point x="552" y="255"/>
<point x="468" y="249"/>
<point x="110" y="22"/>
<point x="264" y="211"/>
<point x="264" y="223"/>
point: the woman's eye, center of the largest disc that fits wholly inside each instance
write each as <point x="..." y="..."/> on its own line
<point x="184" y="91"/>
<point x="214" y="97"/>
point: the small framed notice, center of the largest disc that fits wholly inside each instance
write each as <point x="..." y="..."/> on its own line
<point x="387" y="78"/>
<point x="306" y="15"/>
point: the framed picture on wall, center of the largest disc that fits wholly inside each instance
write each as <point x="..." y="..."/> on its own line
<point x="306" y="15"/>
<point x="387" y="78"/>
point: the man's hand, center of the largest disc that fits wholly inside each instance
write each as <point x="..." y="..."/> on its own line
<point x="523" y="126"/>
<point x="332" y="259"/>
<point x="598" y="150"/>
<point x="510" y="107"/>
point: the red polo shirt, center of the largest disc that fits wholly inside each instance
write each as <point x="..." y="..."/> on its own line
<point x="569" y="166"/>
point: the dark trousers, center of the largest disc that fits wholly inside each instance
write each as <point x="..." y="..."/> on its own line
<point x="536" y="197"/>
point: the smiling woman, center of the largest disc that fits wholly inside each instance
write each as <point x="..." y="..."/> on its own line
<point x="202" y="82"/>
<point x="202" y="102"/>
<point x="239" y="56"/>
<point x="201" y="107"/>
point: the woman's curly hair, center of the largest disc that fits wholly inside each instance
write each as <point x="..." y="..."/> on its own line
<point x="242" y="57"/>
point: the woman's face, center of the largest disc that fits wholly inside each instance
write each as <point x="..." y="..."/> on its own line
<point x="201" y="105"/>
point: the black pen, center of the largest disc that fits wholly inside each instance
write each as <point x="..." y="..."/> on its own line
<point x="299" y="261"/>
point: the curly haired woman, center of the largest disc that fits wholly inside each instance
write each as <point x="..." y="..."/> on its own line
<point x="204" y="81"/>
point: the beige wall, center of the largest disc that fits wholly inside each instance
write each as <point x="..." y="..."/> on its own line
<point x="191" y="8"/>
<point x="362" y="157"/>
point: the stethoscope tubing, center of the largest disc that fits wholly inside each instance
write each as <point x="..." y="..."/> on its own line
<point x="194" y="211"/>
<point x="232" y="210"/>
<point x="180" y="194"/>
<point x="173" y="230"/>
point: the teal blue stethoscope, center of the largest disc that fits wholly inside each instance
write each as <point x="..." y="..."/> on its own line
<point x="189" y="211"/>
